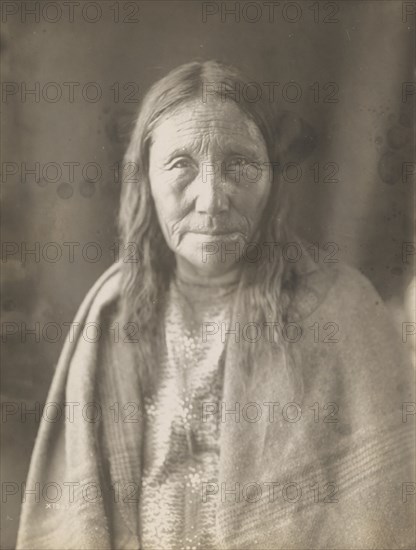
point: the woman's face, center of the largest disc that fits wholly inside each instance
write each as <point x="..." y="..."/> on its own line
<point x="210" y="181"/>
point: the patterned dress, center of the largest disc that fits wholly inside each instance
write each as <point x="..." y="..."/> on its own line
<point x="181" y="449"/>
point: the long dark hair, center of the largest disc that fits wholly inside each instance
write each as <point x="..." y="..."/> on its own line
<point x="260" y="291"/>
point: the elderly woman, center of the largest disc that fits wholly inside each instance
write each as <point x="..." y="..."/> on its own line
<point x="233" y="400"/>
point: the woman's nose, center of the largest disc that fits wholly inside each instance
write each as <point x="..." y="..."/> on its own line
<point x="211" y="197"/>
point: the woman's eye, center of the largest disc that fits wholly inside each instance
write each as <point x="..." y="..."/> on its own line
<point x="237" y="162"/>
<point x="180" y="163"/>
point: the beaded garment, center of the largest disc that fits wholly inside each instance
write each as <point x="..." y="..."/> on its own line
<point x="181" y="449"/>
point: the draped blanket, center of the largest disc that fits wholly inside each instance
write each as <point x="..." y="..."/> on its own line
<point x="332" y="467"/>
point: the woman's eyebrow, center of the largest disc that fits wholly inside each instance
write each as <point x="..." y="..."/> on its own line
<point x="239" y="149"/>
<point x="227" y="150"/>
<point x="178" y="151"/>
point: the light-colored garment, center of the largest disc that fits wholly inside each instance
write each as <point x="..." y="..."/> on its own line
<point x="181" y="442"/>
<point x="338" y="485"/>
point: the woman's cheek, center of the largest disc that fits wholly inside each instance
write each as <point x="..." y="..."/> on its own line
<point x="263" y="190"/>
<point x="171" y="208"/>
<point x="254" y="193"/>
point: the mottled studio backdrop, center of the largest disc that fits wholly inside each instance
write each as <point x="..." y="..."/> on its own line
<point x="73" y="76"/>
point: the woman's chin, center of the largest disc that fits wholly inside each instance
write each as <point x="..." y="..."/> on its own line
<point x="208" y="251"/>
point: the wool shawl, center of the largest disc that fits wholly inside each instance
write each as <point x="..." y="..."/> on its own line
<point x="332" y="467"/>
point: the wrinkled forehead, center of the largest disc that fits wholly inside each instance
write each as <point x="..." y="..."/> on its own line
<point x="215" y="125"/>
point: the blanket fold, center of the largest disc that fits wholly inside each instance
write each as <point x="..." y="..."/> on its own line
<point x="330" y="467"/>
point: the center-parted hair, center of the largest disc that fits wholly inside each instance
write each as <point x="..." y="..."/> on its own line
<point x="144" y="284"/>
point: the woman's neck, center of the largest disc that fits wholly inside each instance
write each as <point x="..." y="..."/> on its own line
<point x="189" y="274"/>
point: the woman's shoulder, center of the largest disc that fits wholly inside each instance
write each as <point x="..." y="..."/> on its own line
<point x="95" y="313"/>
<point x="105" y="292"/>
<point x="349" y="332"/>
<point x="323" y="288"/>
<point x="349" y="289"/>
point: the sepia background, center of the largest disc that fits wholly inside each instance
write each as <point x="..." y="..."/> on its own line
<point x="352" y="121"/>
